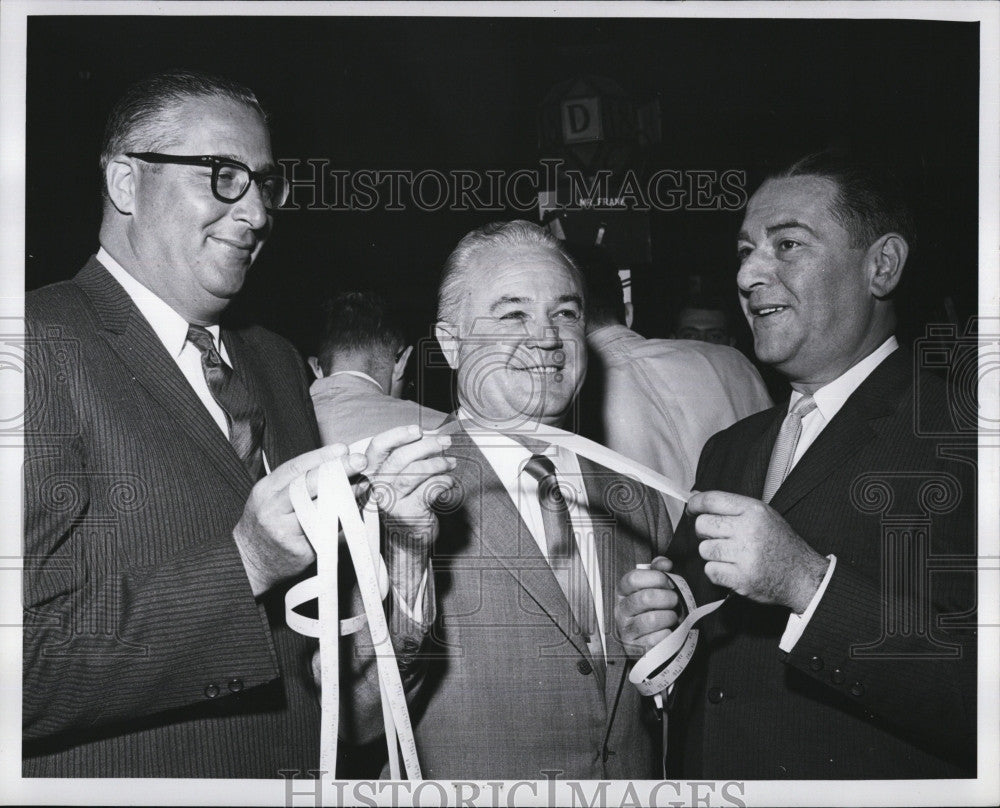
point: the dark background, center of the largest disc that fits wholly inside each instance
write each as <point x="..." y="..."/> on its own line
<point x="399" y="93"/>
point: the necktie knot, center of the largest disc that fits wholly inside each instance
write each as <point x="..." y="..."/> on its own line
<point x="244" y="417"/>
<point x="803" y="407"/>
<point x="202" y="339"/>
<point x="543" y="470"/>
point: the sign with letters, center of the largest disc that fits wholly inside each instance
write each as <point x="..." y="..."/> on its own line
<point x="581" y="120"/>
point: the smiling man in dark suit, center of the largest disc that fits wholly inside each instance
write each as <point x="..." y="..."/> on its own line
<point x="840" y="655"/>
<point x="159" y="533"/>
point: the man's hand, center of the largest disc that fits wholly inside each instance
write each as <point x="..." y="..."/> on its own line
<point x="646" y="607"/>
<point x="751" y="550"/>
<point x="408" y="472"/>
<point x="268" y="535"/>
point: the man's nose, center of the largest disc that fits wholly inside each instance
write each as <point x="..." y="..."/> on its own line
<point x="544" y="334"/>
<point x="250" y="208"/>
<point x="756" y="270"/>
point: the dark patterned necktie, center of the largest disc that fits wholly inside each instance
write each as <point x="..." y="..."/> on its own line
<point x="563" y="553"/>
<point x="244" y="418"/>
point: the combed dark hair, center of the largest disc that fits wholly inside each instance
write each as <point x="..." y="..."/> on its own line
<point x="357" y="321"/>
<point x="869" y="200"/>
<point x="144" y="118"/>
<point x="518" y="233"/>
<point x="605" y="303"/>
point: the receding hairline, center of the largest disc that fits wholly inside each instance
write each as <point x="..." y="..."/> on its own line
<point x="479" y="262"/>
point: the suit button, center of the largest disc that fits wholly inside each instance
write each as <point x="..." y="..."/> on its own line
<point x="584" y="667"/>
<point x="857" y="689"/>
<point x="715" y="695"/>
<point x="212" y="691"/>
<point x="235" y="685"/>
<point x="838" y="676"/>
<point x="815" y="663"/>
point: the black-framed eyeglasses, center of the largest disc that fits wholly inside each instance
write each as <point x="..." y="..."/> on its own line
<point x="230" y="178"/>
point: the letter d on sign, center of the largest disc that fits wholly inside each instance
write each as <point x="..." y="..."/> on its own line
<point x="581" y="120"/>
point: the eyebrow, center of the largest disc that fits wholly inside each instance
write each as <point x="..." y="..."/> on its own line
<point x="515" y="300"/>
<point x="269" y="168"/>
<point x="774" y="228"/>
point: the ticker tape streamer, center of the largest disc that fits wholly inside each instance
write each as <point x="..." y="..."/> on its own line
<point x="335" y="508"/>
<point x="660" y="666"/>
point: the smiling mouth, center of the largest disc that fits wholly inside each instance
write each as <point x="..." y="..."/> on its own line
<point x="236" y="245"/>
<point x="542" y="370"/>
<point x="766" y="311"/>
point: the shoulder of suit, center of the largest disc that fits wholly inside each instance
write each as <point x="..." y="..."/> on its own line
<point x="61" y="303"/>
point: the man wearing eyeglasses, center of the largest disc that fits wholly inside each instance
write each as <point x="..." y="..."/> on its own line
<point x="159" y="532"/>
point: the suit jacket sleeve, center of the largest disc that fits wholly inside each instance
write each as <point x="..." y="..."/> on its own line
<point x="108" y="638"/>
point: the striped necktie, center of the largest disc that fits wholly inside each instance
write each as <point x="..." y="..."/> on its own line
<point x="244" y="417"/>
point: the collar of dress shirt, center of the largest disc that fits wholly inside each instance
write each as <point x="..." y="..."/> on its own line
<point x="831" y="396"/>
<point x="359" y="374"/>
<point x="168" y="325"/>
<point x="507" y="455"/>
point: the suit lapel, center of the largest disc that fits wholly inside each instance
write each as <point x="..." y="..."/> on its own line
<point x="504" y="535"/>
<point x="758" y="455"/>
<point x="853" y="427"/>
<point x="246" y="366"/>
<point x="146" y="359"/>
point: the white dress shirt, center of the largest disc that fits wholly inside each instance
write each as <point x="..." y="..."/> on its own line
<point x="829" y="399"/>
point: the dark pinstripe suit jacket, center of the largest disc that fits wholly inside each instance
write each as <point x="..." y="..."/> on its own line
<point x="509" y="690"/>
<point x="871" y="689"/>
<point x="145" y="653"/>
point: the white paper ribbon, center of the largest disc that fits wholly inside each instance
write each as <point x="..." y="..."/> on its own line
<point x="335" y="508"/>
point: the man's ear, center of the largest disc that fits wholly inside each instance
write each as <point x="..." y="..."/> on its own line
<point x="400" y="367"/>
<point x="447" y="337"/>
<point x="886" y="258"/>
<point x="315" y="367"/>
<point x="120" y="177"/>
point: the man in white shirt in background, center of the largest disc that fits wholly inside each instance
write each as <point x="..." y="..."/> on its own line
<point x="360" y="372"/>
<point x="838" y="656"/>
<point x="657" y="401"/>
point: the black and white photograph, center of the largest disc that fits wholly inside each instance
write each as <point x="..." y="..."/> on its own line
<point x="572" y="403"/>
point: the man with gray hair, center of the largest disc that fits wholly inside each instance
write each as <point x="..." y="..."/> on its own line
<point x="159" y="534"/>
<point x="524" y="676"/>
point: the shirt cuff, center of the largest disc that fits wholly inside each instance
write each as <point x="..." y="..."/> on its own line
<point x="416" y="614"/>
<point x="797" y="622"/>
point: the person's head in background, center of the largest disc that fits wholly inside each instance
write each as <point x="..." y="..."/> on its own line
<point x="704" y="319"/>
<point x="361" y="336"/>
<point x="605" y="302"/>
